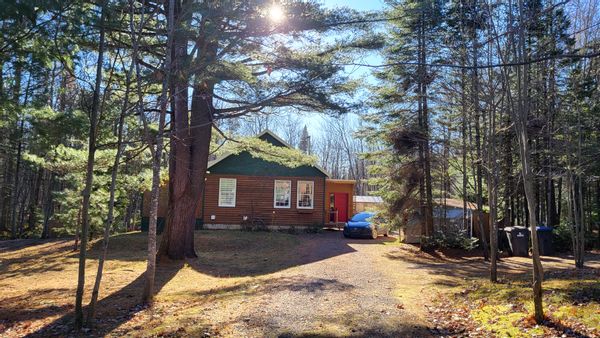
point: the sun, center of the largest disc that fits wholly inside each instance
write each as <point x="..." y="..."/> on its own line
<point x="276" y="13"/>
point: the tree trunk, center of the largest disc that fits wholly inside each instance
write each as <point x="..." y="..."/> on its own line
<point x="33" y="201"/>
<point x="598" y="208"/>
<point x="559" y="200"/>
<point x="85" y="222"/>
<point x="190" y="141"/>
<point x="492" y="177"/>
<point x="111" y="203"/>
<point x="479" y="159"/>
<point x="48" y="206"/>
<point x="148" y="292"/>
<point x="580" y="254"/>
<point x="528" y="181"/>
<point x="77" y="230"/>
<point x="463" y="100"/>
<point x="529" y="194"/>
<point x="16" y="182"/>
<point x="425" y="188"/>
<point x="576" y="224"/>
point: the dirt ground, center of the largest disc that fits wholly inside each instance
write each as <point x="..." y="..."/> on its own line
<point x="243" y="285"/>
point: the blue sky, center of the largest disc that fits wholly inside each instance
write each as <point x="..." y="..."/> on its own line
<point x="314" y="121"/>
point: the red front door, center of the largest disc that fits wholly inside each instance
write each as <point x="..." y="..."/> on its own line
<point x="341" y="205"/>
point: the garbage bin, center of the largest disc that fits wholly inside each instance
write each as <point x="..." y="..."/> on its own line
<point x="544" y="235"/>
<point x="518" y="241"/>
<point x="503" y="241"/>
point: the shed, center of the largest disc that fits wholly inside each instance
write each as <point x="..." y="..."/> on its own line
<point x="367" y="203"/>
<point x="453" y="209"/>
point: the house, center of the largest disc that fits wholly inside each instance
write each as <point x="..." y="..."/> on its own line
<point x="240" y="188"/>
<point x="367" y="203"/>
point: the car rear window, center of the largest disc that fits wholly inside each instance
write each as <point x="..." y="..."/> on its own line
<point x="361" y="217"/>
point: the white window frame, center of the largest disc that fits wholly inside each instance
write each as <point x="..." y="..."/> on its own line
<point x="299" y="197"/>
<point x="221" y="202"/>
<point x="275" y="195"/>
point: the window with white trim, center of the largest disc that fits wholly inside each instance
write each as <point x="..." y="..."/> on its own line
<point x="306" y="194"/>
<point x="227" y="190"/>
<point x="282" y="195"/>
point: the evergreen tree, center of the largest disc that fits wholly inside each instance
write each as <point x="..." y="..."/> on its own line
<point x="241" y="63"/>
<point x="304" y="144"/>
<point x="404" y="102"/>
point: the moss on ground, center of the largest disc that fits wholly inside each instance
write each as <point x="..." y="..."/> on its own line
<point x="502" y="320"/>
<point x="506" y="309"/>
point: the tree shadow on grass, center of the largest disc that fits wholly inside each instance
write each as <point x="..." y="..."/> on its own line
<point x="17" y="244"/>
<point x="450" y="273"/>
<point x="243" y="254"/>
<point x="582" y="292"/>
<point x="113" y="310"/>
<point x="19" y="308"/>
<point x="29" y="262"/>
<point x="568" y="330"/>
<point x="446" y="328"/>
<point x="221" y="254"/>
<point x="455" y="265"/>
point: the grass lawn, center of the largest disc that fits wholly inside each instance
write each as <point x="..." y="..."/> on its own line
<point x="38" y="283"/>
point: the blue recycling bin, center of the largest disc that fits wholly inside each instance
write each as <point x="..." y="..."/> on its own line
<point x="544" y="235"/>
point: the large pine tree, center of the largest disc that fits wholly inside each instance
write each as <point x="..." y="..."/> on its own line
<point x="232" y="58"/>
<point x="403" y="104"/>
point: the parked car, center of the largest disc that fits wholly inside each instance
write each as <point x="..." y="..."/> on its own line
<point x="363" y="225"/>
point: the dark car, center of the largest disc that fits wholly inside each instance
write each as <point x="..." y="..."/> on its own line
<point x="361" y="225"/>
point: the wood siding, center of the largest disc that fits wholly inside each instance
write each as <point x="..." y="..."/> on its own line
<point x="342" y="186"/>
<point x="256" y="193"/>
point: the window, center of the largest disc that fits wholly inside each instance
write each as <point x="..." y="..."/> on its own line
<point x="306" y="191"/>
<point x="227" y="187"/>
<point x="282" y="195"/>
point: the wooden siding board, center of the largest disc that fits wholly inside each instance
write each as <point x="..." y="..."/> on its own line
<point x="259" y="189"/>
<point x="256" y="193"/>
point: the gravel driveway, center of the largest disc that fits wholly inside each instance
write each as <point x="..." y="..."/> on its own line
<point x="343" y="289"/>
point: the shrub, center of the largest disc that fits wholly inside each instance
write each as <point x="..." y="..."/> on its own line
<point x="291" y="230"/>
<point x="458" y="239"/>
<point x="561" y="238"/>
<point x="314" y="228"/>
